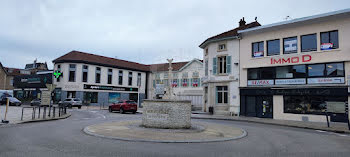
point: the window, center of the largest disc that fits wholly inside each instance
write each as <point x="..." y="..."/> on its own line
<point x="166" y="75"/>
<point x="109" y="77"/>
<point x="71" y="94"/>
<point x="258" y="49"/>
<point x="184" y="75"/>
<point x="267" y="73"/>
<point x="90" y="97"/>
<point x="11" y="82"/>
<point x="290" y="45"/>
<point x="120" y="79"/>
<point x="165" y="82"/>
<point x="174" y="83"/>
<point x="308" y="43"/>
<point x="221" y="47"/>
<point x="174" y="75"/>
<point x="195" y="82"/>
<point x="316" y="70"/>
<point x="58" y="69"/>
<point x="295" y="71"/>
<point x="222" y="65"/>
<point x="195" y="74"/>
<point x="273" y="47"/>
<point x="130" y="79"/>
<point x="71" y="72"/>
<point x="221" y="95"/>
<point x="85" y="73"/>
<point x="329" y="40"/>
<point x="309" y="104"/>
<point x="253" y="74"/>
<point x="335" y="69"/>
<point x="138" y="79"/>
<point x="98" y="75"/>
<point x="184" y="82"/>
<point x="206" y="67"/>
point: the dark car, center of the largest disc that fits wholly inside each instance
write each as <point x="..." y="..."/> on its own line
<point x="12" y="101"/>
<point x="123" y="106"/>
<point x="35" y="102"/>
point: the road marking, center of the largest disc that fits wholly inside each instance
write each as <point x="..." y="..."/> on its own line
<point x="320" y="131"/>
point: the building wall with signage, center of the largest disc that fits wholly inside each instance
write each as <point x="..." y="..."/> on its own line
<point x="101" y="90"/>
<point x="297" y="56"/>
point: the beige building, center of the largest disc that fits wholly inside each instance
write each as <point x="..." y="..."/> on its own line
<point x="221" y="69"/>
<point x="296" y="69"/>
<point x="186" y="81"/>
<point x="7" y="76"/>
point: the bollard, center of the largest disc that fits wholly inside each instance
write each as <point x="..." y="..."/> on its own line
<point x="39" y="113"/>
<point x="54" y="110"/>
<point x="33" y="113"/>
<point x="59" y="111"/>
<point x="7" y="105"/>
<point x="22" y="113"/>
<point x="44" y="113"/>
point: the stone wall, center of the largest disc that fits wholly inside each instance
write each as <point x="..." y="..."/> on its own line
<point x="167" y="114"/>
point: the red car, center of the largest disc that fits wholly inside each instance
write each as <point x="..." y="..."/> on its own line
<point x="123" y="106"/>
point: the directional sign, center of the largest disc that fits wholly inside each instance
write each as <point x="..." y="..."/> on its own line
<point x="45" y="97"/>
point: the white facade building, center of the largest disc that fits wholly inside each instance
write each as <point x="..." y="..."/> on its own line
<point x="99" y="80"/>
<point x="221" y="66"/>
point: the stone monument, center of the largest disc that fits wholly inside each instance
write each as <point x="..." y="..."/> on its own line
<point x="167" y="113"/>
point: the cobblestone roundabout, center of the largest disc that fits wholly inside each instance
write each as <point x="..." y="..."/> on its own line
<point x="133" y="131"/>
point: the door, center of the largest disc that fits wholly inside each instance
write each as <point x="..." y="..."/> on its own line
<point x="251" y="106"/>
<point x="265" y="107"/>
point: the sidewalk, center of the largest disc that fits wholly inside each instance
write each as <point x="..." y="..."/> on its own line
<point x="334" y="127"/>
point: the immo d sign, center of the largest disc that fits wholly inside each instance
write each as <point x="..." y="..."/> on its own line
<point x="296" y="59"/>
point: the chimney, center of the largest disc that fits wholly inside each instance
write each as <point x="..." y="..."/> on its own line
<point x="242" y="22"/>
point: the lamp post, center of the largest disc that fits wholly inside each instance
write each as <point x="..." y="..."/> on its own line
<point x="170" y="78"/>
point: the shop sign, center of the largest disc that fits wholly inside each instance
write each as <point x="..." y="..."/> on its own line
<point x="335" y="107"/>
<point x="290" y="81"/>
<point x="45" y="97"/>
<point x="30" y="80"/>
<point x="260" y="82"/>
<point x="326" y="46"/>
<point x="297" y="59"/>
<point x="290" y="45"/>
<point x="259" y="54"/>
<point x="325" y="80"/>
<point x="111" y="88"/>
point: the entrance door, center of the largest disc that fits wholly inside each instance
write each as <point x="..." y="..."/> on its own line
<point x="265" y="107"/>
<point x="251" y="106"/>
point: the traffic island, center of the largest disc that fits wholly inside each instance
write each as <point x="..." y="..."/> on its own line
<point x="134" y="131"/>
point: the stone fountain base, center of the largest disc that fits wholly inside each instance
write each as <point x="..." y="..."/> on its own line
<point x="166" y="114"/>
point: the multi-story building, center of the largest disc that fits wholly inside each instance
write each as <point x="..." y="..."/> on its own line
<point x="7" y="76"/>
<point x="98" y="79"/>
<point x="296" y="69"/>
<point x="186" y="80"/>
<point x="221" y="68"/>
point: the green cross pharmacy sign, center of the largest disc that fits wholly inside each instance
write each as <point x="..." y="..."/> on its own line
<point x="57" y="74"/>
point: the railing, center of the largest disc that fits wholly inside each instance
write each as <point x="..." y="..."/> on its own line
<point x="44" y="112"/>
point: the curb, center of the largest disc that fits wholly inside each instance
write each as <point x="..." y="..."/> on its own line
<point x="86" y="131"/>
<point x="286" y="125"/>
<point x="41" y="120"/>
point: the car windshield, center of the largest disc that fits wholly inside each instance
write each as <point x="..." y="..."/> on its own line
<point x="76" y="99"/>
<point x="131" y="102"/>
<point x="13" y="98"/>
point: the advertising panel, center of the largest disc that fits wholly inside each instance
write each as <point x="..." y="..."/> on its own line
<point x="325" y="80"/>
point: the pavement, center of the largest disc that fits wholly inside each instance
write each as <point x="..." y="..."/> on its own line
<point x="14" y="114"/>
<point x="65" y="138"/>
<point x="334" y="126"/>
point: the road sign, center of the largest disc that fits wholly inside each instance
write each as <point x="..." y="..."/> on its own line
<point x="45" y="97"/>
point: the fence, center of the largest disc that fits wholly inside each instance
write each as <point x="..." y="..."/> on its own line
<point x="39" y="112"/>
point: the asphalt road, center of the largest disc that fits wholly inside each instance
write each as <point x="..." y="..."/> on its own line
<point x="65" y="138"/>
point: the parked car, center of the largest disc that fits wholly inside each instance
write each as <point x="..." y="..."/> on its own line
<point x="123" y="106"/>
<point x="35" y="102"/>
<point x="71" y="102"/>
<point x="12" y="101"/>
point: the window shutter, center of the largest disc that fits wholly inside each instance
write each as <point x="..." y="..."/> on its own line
<point x="199" y="82"/>
<point x="228" y="64"/>
<point x="154" y="83"/>
<point x="180" y="84"/>
<point x="191" y="83"/>
<point x="214" y="66"/>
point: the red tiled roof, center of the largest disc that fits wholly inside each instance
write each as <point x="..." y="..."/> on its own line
<point x="82" y="57"/>
<point x="231" y="33"/>
<point x="13" y="71"/>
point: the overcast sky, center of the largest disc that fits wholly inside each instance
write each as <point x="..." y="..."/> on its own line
<point x="141" y="31"/>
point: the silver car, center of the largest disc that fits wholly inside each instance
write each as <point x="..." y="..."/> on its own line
<point x="71" y="102"/>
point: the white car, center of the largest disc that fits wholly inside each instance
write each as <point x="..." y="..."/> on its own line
<point x="71" y="102"/>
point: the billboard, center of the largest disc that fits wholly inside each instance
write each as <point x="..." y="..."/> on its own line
<point x="32" y="81"/>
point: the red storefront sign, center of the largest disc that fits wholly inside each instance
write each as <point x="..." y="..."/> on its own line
<point x="297" y="59"/>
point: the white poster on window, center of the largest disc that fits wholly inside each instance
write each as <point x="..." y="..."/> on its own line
<point x="325" y="80"/>
<point x="290" y="45"/>
<point x="326" y="46"/>
<point x="290" y="81"/>
<point x="259" y="54"/>
<point x="260" y="82"/>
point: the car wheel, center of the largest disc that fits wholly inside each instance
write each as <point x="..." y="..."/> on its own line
<point x="122" y="111"/>
<point x="79" y="107"/>
<point x="133" y="112"/>
<point x="110" y="109"/>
